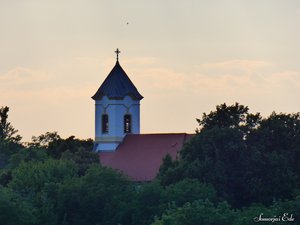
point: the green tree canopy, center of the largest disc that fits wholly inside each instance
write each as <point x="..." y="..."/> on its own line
<point x="198" y="213"/>
<point x="13" y="210"/>
<point x="9" y="139"/>
<point x="233" y="116"/>
<point x="7" y="131"/>
<point x="242" y="155"/>
<point x="101" y="196"/>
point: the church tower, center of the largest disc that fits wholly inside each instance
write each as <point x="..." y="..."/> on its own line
<point x="117" y="111"/>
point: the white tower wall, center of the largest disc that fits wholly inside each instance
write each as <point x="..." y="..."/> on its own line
<point x="116" y="110"/>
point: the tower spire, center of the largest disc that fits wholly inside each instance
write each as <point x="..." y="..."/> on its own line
<point x="117" y="52"/>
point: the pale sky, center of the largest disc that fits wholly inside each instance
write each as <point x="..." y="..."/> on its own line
<point x="185" y="57"/>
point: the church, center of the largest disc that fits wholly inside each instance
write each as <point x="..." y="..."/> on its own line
<point x="118" y="140"/>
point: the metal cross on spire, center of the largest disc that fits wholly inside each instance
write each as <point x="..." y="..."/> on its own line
<point x="117" y="52"/>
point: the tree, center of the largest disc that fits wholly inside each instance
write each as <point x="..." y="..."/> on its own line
<point x="150" y="201"/>
<point x="234" y="116"/>
<point x="168" y="171"/>
<point x="280" y="210"/>
<point x="280" y="134"/>
<point x="37" y="184"/>
<point x="218" y="157"/>
<point x="79" y="151"/>
<point x="198" y="212"/>
<point x="9" y="141"/>
<point x="26" y="155"/>
<point x="44" y="140"/>
<point x="189" y="190"/>
<point x="277" y="141"/>
<point x="56" y="146"/>
<point x="7" y="131"/>
<point x="101" y="196"/>
<point x="29" y="178"/>
<point x="242" y="155"/>
<point x="22" y="155"/>
<point x="83" y="159"/>
<point x="13" y="210"/>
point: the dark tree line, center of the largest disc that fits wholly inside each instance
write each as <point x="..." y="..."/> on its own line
<point x="245" y="157"/>
<point x="237" y="166"/>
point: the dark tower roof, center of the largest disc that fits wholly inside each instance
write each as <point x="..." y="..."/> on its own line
<point x="117" y="85"/>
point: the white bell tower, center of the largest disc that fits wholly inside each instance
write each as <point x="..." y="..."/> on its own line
<point x="117" y="109"/>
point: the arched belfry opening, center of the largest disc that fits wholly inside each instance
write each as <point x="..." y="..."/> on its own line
<point x="104" y="123"/>
<point x="117" y="109"/>
<point x="127" y="124"/>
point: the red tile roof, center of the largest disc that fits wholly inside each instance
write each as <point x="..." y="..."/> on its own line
<point x="139" y="156"/>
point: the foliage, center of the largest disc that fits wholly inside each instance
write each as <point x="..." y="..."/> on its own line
<point x="188" y="190"/>
<point x="9" y="140"/>
<point x="236" y="167"/>
<point x="79" y="151"/>
<point x="44" y="140"/>
<point x="234" y="116"/>
<point x="242" y="155"/>
<point x="13" y="210"/>
<point x="27" y="155"/>
<point x="30" y="178"/>
<point x="56" y="146"/>
<point x="152" y="199"/>
<point x="82" y="158"/>
<point x="198" y="212"/>
<point x="204" y="212"/>
<point x="149" y="201"/>
<point x="101" y="196"/>
<point x="35" y="182"/>
<point x="7" y="131"/>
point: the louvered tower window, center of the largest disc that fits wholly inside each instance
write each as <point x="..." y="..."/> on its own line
<point x="127" y="124"/>
<point x="104" y="123"/>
